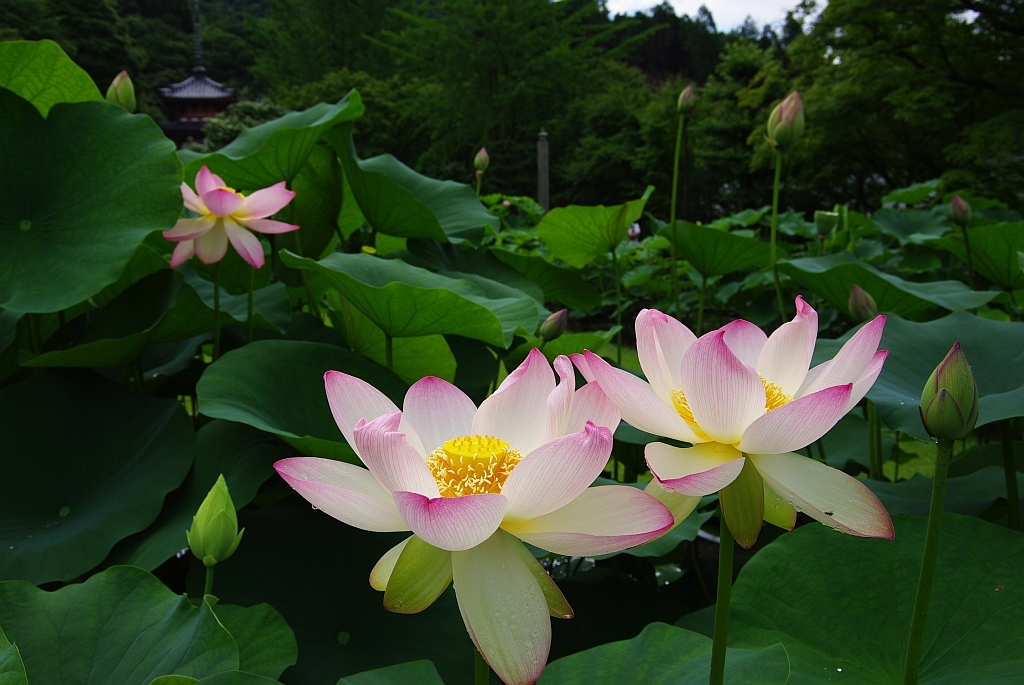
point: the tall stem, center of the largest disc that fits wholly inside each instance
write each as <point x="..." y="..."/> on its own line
<point x="482" y="671"/>
<point x="725" y="552"/>
<point x="686" y="170"/>
<point x="248" y="320"/>
<point x="216" y="312"/>
<point x="775" y="231"/>
<point x="874" y="458"/>
<point x="618" y="308"/>
<point x="208" y="587"/>
<point x="931" y="550"/>
<point x="700" y="306"/>
<point x="479" y="178"/>
<point x="674" y="286"/>
<point x="35" y="337"/>
<point x="970" y="260"/>
<point x="313" y="309"/>
<point x="1010" y="466"/>
<point x="389" y="359"/>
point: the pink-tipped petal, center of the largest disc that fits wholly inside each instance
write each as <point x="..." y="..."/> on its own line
<point x="555" y="473"/>
<point x="381" y="571"/>
<point x="206" y="181"/>
<point x="787" y="354"/>
<point x="850" y="362"/>
<point x="213" y="245"/>
<point x="796" y="425"/>
<point x="825" y="494"/>
<point x="451" y="523"/>
<point x="724" y="394"/>
<point x="390" y="459"/>
<point x="580" y="360"/>
<point x="745" y="340"/>
<point x="661" y="342"/>
<point x="601" y="520"/>
<point x="263" y="203"/>
<point x="348" y="493"/>
<point x="352" y="399"/>
<point x="221" y="202"/>
<point x="591" y="404"/>
<point x="636" y="400"/>
<point x="867" y="379"/>
<point x="246" y="244"/>
<point x="189" y="229"/>
<point x="183" y="252"/>
<point x="681" y="506"/>
<point x="516" y="411"/>
<point x="267" y="226"/>
<point x="560" y="400"/>
<point x="436" y="411"/>
<point x="191" y="200"/>
<point x="504" y="609"/>
<point x="699" y="470"/>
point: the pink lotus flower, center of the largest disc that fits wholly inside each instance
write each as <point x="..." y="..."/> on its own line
<point x="471" y="484"/>
<point x="737" y="395"/>
<point x="225" y="214"/>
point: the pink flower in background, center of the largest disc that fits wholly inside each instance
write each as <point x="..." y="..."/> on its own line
<point x="226" y="215"/>
<point x="472" y="484"/>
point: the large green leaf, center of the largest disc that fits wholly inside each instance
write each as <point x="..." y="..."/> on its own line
<point x="558" y="283"/>
<point x="117" y="181"/>
<point x="842" y="605"/>
<point x="994" y="348"/>
<point x="397" y="201"/>
<point x="915" y="193"/>
<point x="43" y="74"/>
<point x="971" y="495"/>
<point x="244" y="455"/>
<point x="714" y="252"/>
<point x="120" y="627"/>
<point x="464" y="261"/>
<point x="12" y="668"/>
<point x="86" y="462"/>
<point x="222" y="678"/>
<point x="277" y="386"/>
<point x="577" y="235"/>
<point x="277" y="150"/>
<point x="413" y="673"/>
<point x="266" y="645"/>
<point x="994" y="251"/>
<point x="666" y="655"/>
<point x="913" y="226"/>
<point x="407" y="301"/>
<point x="833" y="276"/>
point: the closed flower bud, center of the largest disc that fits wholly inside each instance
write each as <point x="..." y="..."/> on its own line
<point x="122" y="92"/>
<point x="687" y="99"/>
<point x="949" y="403"/>
<point x="482" y="160"/>
<point x="862" y="305"/>
<point x="214" y="535"/>
<point x="554" y="325"/>
<point x="786" y="122"/>
<point x="960" y="211"/>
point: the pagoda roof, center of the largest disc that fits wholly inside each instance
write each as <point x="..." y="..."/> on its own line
<point x="198" y="86"/>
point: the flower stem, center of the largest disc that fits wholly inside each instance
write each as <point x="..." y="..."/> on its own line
<point x="313" y="309"/>
<point x="618" y="308"/>
<point x="674" y="287"/>
<point x="482" y="672"/>
<point x="775" y="231"/>
<point x="216" y="312"/>
<point x="479" y="179"/>
<point x="248" y="320"/>
<point x="700" y="306"/>
<point x="35" y="337"/>
<point x="725" y="552"/>
<point x="1010" y="466"/>
<point x="970" y="260"/>
<point x="874" y="442"/>
<point x="389" y="360"/>
<point x="931" y="550"/>
<point x="208" y="587"/>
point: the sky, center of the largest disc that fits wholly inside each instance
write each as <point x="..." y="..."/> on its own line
<point x="728" y="14"/>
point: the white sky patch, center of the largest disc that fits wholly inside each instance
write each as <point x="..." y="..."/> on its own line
<point x="728" y="14"/>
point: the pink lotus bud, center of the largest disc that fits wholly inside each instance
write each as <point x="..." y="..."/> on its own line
<point x="554" y="325"/>
<point x="862" y="305"/>
<point x="960" y="211"/>
<point x="482" y="160"/>
<point x="786" y="123"/>
<point x="687" y="99"/>
<point x="122" y="91"/>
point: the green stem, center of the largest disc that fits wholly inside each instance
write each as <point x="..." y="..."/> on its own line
<point x="674" y="286"/>
<point x="725" y="552"/>
<point x="686" y="170"/>
<point x="1010" y="466"/>
<point x="700" y="305"/>
<point x="931" y="550"/>
<point x="35" y="338"/>
<point x="970" y="260"/>
<point x="482" y="672"/>
<point x="618" y="308"/>
<point x="873" y="428"/>
<point x="388" y="352"/>
<point x="313" y="309"/>
<point x="208" y="587"/>
<point x="479" y="179"/>
<point x="248" y="320"/>
<point x="216" y="312"/>
<point x="775" y="231"/>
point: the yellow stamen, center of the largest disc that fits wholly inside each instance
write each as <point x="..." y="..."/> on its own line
<point x="774" y="397"/>
<point x="683" y="409"/>
<point x="231" y="190"/>
<point x="472" y="465"/>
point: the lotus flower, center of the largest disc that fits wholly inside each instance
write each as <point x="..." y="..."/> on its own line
<point x="741" y="397"/>
<point x="471" y="483"/>
<point x="226" y="215"/>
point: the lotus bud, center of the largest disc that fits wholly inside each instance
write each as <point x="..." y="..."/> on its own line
<point x="214" y="535"/>
<point x="122" y="92"/>
<point x="949" y="403"/>
<point x="862" y="305"/>
<point x="960" y="211"/>
<point x="482" y="160"/>
<point x="786" y="122"/>
<point x="826" y="222"/>
<point x="687" y="99"/>
<point x="554" y="325"/>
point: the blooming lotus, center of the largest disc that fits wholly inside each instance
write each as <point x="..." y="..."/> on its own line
<point x="745" y="402"/>
<point x="471" y="484"/>
<point x="226" y="215"/>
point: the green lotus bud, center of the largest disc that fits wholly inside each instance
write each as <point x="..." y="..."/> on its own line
<point x="862" y="305"/>
<point x="687" y="99"/>
<point x="960" y="211"/>
<point x="122" y="91"/>
<point x="554" y="325"/>
<point x="949" y="403"/>
<point x="786" y="122"/>
<point x="826" y="222"/>
<point x="214" y="535"/>
<point x="482" y="160"/>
